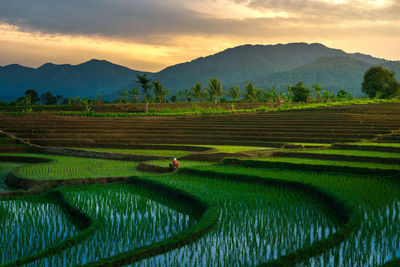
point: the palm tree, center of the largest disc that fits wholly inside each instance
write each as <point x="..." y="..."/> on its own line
<point x="187" y="95"/>
<point x="197" y="92"/>
<point x="179" y="96"/>
<point x="317" y="89"/>
<point x="99" y="96"/>
<point x="165" y="94"/>
<point x="214" y="90"/>
<point x="158" y="91"/>
<point x="233" y="93"/>
<point x="144" y="83"/>
<point x="134" y="94"/>
<point x="125" y="95"/>
<point x="252" y="92"/>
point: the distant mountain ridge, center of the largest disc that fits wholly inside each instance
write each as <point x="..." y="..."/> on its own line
<point x="86" y="79"/>
<point x="265" y="65"/>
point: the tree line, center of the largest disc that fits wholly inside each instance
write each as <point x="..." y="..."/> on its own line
<point x="378" y="83"/>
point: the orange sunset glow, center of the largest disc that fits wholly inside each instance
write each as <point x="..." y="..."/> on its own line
<point x="151" y="35"/>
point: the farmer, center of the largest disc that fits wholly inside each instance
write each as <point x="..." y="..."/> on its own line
<point x="174" y="164"/>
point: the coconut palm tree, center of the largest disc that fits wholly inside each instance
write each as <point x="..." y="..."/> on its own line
<point x="125" y="94"/>
<point x="99" y="101"/>
<point x="143" y="81"/>
<point x="252" y="92"/>
<point x="134" y="94"/>
<point x="197" y="92"/>
<point x="158" y="91"/>
<point x="233" y="93"/>
<point x="214" y="90"/>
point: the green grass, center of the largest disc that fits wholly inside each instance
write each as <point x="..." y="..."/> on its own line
<point x="182" y="163"/>
<point x="376" y="144"/>
<point x="166" y="153"/>
<point x="66" y="167"/>
<point x="354" y="153"/>
<point x="330" y="163"/>
<point x="308" y="144"/>
<point x="226" y="149"/>
<point x="235" y="149"/>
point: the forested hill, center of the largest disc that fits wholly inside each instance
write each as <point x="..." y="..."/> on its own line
<point x="265" y="65"/>
<point x="86" y="79"/>
<point x="276" y="65"/>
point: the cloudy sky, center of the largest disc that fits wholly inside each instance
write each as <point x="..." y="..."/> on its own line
<point x="153" y="34"/>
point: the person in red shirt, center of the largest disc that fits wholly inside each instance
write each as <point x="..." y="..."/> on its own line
<point x="175" y="164"/>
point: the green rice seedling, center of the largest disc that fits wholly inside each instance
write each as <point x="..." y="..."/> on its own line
<point x="65" y="167"/>
<point x="354" y="153"/>
<point x="166" y="153"/>
<point x="376" y="144"/>
<point x="182" y="163"/>
<point x="331" y="163"/>
<point x="378" y="200"/>
<point x="257" y="223"/>
<point x="127" y="217"/>
<point x="29" y="225"/>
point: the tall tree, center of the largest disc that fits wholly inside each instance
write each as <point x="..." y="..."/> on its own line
<point x="187" y="95"/>
<point x="251" y="92"/>
<point x="158" y="91"/>
<point x="99" y="101"/>
<point x="197" y="92"/>
<point x="144" y="81"/>
<point x="299" y="92"/>
<point x="317" y="89"/>
<point x="165" y="94"/>
<point x="33" y="95"/>
<point x="381" y="83"/>
<point x="48" y="99"/>
<point x="214" y="89"/>
<point x="134" y="94"/>
<point x="233" y="93"/>
<point x="125" y="94"/>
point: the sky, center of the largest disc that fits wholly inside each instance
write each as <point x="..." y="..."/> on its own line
<point x="150" y="35"/>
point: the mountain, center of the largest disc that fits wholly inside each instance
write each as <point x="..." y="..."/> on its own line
<point x="333" y="73"/>
<point x="265" y="65"/>
<point x="86" y="79"/>
<point x="242" y="63"/>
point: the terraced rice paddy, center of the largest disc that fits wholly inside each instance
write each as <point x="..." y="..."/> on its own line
<point x="257" y="224"/>
<point x="286" y="197"/>
<point x="378" y="200"/>
<point x="330" y="163"/>
<point x="30" y="225"/>
<point x="128" y="219"/>
<point x="65" y="167"/>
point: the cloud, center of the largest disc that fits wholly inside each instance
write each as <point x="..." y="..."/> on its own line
<point x="159" y="22"/>
<point x="185" y="29"/>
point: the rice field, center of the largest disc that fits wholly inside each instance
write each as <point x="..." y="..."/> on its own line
<point x="65" y="167"/>
<point x="378" y="200"/>
<point x="353" y="153"/>
<point x="257" y="223"/>
<point x="271" y="207"/>
<point x="29" y="226"/>
<point x="366" y="165"/>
